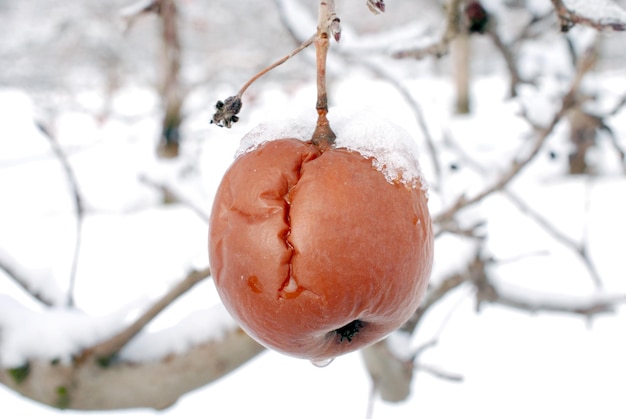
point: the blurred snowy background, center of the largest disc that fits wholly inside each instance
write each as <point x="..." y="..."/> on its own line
<point x="105" y="190"/>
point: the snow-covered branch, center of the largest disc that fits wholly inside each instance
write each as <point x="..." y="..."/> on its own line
<point x="534" y="302"/>
<point x="518" y="164"/>
<point x="107" y="350"/>
<point x="155" y="384"/>
<point x="599" y="14"/>
<point x="30" y="282"/>
<point x="110" y="376"/>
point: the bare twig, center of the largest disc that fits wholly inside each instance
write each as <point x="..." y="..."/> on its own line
<point x="621" y="152"/>
<point x="584" y="307"/>
<point x="440" y="48"/>
<point x="567" y="102"/>
<point x="487" y="291"/>
<point x="391" y="376"/>
<point x="14" y="272"/>
<point x="227" y="110"/>
<point x="579" y="250"/>
<point x="568" y="18"/>
<point x="509" y="58"/>
<point x="439" y="373"/>
<point x="527" y="32"/>
<point x="272" y="66"/>
<point x="175" y="196"/>
<point x="78" y="206"/>
<point x="171" y="88"/>
<point x="106" y="350"/>
<point x="142" y="7"/>
<point x="433" y="296"/>
<point x="618" y="106"/>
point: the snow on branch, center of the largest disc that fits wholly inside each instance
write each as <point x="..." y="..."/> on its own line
<point x="567" y="102"/>
<point x="105" y="351"/>
<point x="154" y="384"/>
<point x="536" y="302"/>
<point x="113" y="375"/>
<point x="41" y="289"/>
<point x="488" y="290"/>
<point x="139" y="7"/>
<point x="598" y="14"/>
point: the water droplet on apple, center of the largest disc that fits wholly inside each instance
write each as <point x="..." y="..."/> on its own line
<point x="321" y="363"/>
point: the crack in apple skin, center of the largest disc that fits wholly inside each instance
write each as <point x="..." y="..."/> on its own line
<point x="290" y="288"/>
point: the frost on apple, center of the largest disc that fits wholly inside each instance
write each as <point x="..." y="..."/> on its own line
<point x="393" y="150"/>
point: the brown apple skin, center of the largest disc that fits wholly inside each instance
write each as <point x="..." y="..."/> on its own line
<point x="303" y="242"/>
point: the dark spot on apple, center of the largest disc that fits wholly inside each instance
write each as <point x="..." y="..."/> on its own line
<point x="255" y="285"/>
<point x="349" y="331"/>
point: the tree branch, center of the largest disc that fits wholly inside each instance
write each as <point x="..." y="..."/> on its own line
<point x="390" y="375"/>
<point x="105" y="351"/>
<point x="440" y="48"/>
<point x="488" y="291"/>
<point x="78" y="205"/>
<point x="173" y="195"/>
<point x="21" y="278"/>
<point x="125" y="385"/>
<point x="433" y="296"/>
<point x="586" y="307"/>
<point x="567" y="102"/>
<point x="568" y="17"/>
<point x="579" y="250"/>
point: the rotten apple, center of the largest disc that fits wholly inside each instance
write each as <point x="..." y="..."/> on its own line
<point x="314" y="251"/>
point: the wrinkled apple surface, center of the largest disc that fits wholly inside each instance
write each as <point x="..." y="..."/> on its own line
<point x="314" y="253"/>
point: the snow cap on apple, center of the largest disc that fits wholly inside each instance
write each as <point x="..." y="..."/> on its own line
<point x="392" y="149"/>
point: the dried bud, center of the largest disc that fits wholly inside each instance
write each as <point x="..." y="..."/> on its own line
<point x="376" y="6"/>
<point x="226" y="112"/>
<point x="477" y="17"/>
<point x="335" y="29"/>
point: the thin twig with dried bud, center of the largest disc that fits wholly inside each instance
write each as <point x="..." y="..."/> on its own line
<point x="227" y="110"/>
<point x="328" y="25"/>
<point x="376" y="6"/>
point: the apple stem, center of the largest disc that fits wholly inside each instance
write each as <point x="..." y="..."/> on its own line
<point x="226" y="111"/>
<point x="287" y="57"/>
<point x="328" y="24"/>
